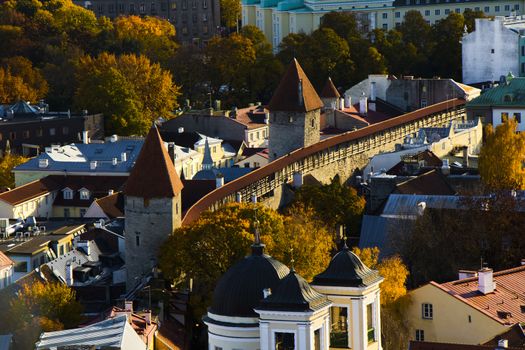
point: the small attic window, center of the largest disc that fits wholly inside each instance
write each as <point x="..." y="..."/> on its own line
<point x="507" y="98"/>
<point x="84" y="194"/>
<point x="522" y="307"/>
<point x="504" y="315"/>
<point x="68" y="194"/>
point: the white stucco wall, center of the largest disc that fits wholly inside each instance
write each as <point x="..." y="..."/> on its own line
<point x="489" y="52"/>
<point x="496" y="116"/>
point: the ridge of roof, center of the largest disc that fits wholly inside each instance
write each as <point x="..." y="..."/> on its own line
<point x="153" y="175"/>
<point x="329" y="90"/>
<point x="289" y="97"/>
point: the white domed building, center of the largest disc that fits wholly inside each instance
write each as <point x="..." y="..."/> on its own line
<point x="260" y="304"/>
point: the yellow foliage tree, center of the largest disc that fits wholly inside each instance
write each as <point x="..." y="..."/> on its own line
<point x="230" y="12"/>
<point x="131" y="91"/>
<point x="13" y="88"/>
<point x="502" y="158"/>
<point x="23" y="68"/>
<point x="42" y="307"/>
<point x="7" y="163"/>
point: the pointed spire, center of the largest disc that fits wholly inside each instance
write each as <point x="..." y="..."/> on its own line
<point x="329" y="90"/>
<point x="153" y="175"/>
<point x="295" y="92"/>
<point x="207" y="161"/>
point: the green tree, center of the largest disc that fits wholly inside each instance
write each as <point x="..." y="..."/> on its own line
<point x="502" y="157"/>
<point x="343" y="23"/>
<point x="42" y="307"/>
<point x="334" y="204"/>
<point x="130" y="90"/>
<point x="447" y="34"/>
<point x="470" y="18"/>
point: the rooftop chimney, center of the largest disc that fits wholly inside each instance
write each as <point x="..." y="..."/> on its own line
<point x="69" y="274"/>
<point x="522" y="262"/>
<point x="93" y="164"/>
<point x="114" y="161"/>
<point x="445" y="168"/>
<point x="297" y="179"/>
<point x="219" y="181"/>
<point x="110" y="192"/>
<point x="147" y="316"/>
<point x="43" y="163"/>
<point x="503" y="343"/>
<point x="113" y="138"/>
<point x="123" y="157"/>
<point x="267" y="292"/>
<point x="348" y="101"/>
<point x="128" y="305"/>
<point x="486" y="282"/>
<point x="180" y="130"/>
<point x="85" y="137"/>
<point x="373" y="91"/>
<point x="300" y="92"/>
<point x="363" y="105"/>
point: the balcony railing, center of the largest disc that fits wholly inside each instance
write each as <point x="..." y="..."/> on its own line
<point x="339" y="340"/>
<point x="371" y="335"/>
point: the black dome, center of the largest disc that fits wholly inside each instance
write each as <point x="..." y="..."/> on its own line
<point x="294" y="294"/>
<point x="347" y="270"/>
<point x="241" y="288"/>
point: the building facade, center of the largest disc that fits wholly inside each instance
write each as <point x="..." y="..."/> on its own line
<point x="195" y="21"/>
<point x="277" y="19"/>
<point x="494" y="49"/>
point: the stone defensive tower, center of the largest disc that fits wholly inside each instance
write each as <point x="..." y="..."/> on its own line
<point x="152" y="207"/>
<point x="295" y="113"/>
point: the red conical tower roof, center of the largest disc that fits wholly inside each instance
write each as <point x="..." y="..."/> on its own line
<point x="329" y="90"/>
<point x="295" y="92"/>
<point x="153" y="175"/>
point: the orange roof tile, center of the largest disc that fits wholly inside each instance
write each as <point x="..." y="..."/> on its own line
<point x="29" y="191"/>
<point x="286" y="97"/>
<point x="503" y="305"/>
<point x="153" y="175"/>
<point x="5" y="261"/>
<point x="329" y="90"/>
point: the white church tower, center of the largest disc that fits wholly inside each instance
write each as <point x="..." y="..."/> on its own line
<point x="353" y="288"/>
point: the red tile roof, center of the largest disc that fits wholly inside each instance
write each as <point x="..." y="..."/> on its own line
<point x="329" y="90"/>
<point x="29" y="191"/>
<point x="280" y="163"/>
<point x="503" y="305"/>
<point x="153" y="175"/>
<point x="112" y="205"/>
<point x="5" y="261"/>
<point x="286" y="97"/>
<point x="430" y="183"/>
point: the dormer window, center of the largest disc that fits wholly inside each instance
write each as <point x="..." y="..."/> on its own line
<point x="68" y="193"/>
<point x="84" y="194"/>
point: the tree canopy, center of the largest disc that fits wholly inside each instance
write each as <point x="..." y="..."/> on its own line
<point x="206" y="249"/>
<point x="502" y="158"/>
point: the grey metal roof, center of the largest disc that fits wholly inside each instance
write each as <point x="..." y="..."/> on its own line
<point x="110" y="333"/>
<point x="380" y="232"/>
<point x="407" y="204"/>
<point x="78" y="157"/>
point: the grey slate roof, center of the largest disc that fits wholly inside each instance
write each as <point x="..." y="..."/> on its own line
<point x="108" y="333"/>
<point x="380" y="232"/>
<point x="103" y="153"/>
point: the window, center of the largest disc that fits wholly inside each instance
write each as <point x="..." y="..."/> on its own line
<point x="1" y="137"/>
<point x="317" y="339"/>
<point x="174" y="6"/>
<point x="424" y="102"/>
<point x="82" y="212"/>
<point x="111" y="8"/>
<point x="21" y="266"/>
<point x="398" y="15"/>
<point x="131" y="8"/>
<point x="68" y="194"/>
<point x="486" y="9"/>
<point x="516" y="7"/>
<point x="152" y="7"/>
<point x="204" y="4"/>
<point x="458" y="10"/>
<point x="84" y="194"/>
<point x="52" y="131"/>
<point x="67" y="213"/>
<point x="469" y="319"/>
<point x="370" y="323"/>
<point x="507" y="7"/>
<point x="437" y="12"/>
<point x="427" y="12"/>
<point x="385" y="15"/>
<point x="491" y="50"/>
<point x="426" y="311"/>
<point x="420" y="335"/>
<point x="523" y="50"/>
<point x="65" y="130"/>
<point x="496" y="8"/>
<point x="12" y="135"/>
<point x="163" y="6"/>
<point x="204" y="17"/>
<point x="447" y="11"/>
<point x="121" y="8"/>
<point x="26" y="134"/>
<point x="184" y="4"/>
<point x="338" y="327"/>
<point x="142" y="8"/>
<point x="517" y="116"/>
<point x="39" y="132"/>
<point x="137" y="238"/>
<point x="385" y="26"/>
<point x="194" y="18"/>
<point x="194" y="4"/>
<point x="61" y="250"/>
<point x="284" y="341"/>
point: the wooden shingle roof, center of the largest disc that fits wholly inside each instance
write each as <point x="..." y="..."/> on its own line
<point x="288" y="93"/>
<point x="153" y="175"/>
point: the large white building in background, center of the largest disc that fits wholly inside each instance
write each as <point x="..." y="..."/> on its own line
<point x="278" y="18"/>
<point x="495" y="48"/>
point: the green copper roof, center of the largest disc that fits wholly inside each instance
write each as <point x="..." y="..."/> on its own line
<point x="511" y="93"/>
